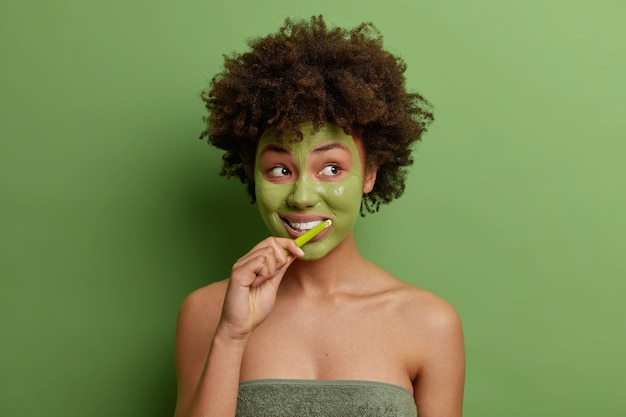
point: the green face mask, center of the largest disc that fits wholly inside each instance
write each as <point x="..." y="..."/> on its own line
<point x="300" y="184"/>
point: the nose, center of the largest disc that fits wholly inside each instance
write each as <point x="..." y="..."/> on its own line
<point x="303" y="194"/>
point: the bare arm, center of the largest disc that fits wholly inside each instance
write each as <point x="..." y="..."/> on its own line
<point x="214" y="324"/>
<point x="439" y="387"/>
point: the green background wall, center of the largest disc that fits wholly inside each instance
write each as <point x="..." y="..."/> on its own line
<point x="111" y="210"/>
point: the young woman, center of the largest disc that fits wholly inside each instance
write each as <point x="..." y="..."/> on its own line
<point x="317" y="123"/>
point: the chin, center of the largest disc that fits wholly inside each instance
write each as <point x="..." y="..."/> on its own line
<point x="312" y="257"/>
<point x="313" y="254"/>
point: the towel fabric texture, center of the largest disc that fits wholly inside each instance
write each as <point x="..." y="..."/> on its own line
<point x="308" y="398"/>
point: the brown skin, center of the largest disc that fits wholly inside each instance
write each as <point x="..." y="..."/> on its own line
<point x="335" y="327"/>
<point x="339" y="317"/>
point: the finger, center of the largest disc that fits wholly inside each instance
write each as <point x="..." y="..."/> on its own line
<point x="268" y="272"/>
<point x="270" y="261"/>
<point x="294" y="250"/>
<point x="246" y="272"/>
<point x="273" y="251"/>
<point x="274" y="277"/>
<point x="278" y="250"/>
<point x="259" y="268"/>
<point x="268" y="257"/>
<point x="268" y="241"/>
<point x="281" y="242"/>
<point x="253" y="254"/>
<point x="286" y="250"/>
<point x="276" y="263"/>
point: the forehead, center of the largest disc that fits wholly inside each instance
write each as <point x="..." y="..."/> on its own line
<point x="328" y="137"/>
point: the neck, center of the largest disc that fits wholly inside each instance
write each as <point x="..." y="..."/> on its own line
<point x="337" y="272"/>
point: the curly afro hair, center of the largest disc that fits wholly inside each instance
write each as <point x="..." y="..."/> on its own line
<point x="308" y="72"/>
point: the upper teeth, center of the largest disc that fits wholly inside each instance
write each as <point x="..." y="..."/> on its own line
<point x="304" y="226"/>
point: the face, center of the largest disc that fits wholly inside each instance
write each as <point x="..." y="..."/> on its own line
<point x="300" y="184"/>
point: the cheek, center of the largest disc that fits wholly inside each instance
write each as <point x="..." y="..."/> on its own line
<point x="344" y="197"/>
<point x="270" y="196"/>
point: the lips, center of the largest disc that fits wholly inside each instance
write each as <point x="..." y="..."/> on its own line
<point x="296" y="225"/>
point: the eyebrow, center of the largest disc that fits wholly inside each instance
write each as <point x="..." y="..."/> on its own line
<point x="320" y="149"/>
<point x="275" y="148"/>
<point x="328" y="147"/>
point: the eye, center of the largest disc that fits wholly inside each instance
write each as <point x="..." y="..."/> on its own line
<point x="330" y="170"/>
<point x="279" y="172"/>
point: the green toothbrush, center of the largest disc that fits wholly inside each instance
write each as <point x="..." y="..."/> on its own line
<point x="311" y="233"/>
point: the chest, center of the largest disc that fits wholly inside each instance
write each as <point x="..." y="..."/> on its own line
<point x="333" y="344"/>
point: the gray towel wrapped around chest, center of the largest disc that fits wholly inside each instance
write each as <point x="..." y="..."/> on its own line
<point x="306" y="398"/>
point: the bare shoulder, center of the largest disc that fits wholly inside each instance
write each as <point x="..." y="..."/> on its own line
<point x="430" y="309"/>
<point x="200" y="310"/>
<point x="419" y="309"/>
<point x="197" y="320"/>
<point x="439" y="352"/>
<point x="209" y="297"/>
<point x="425" y="313"/>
